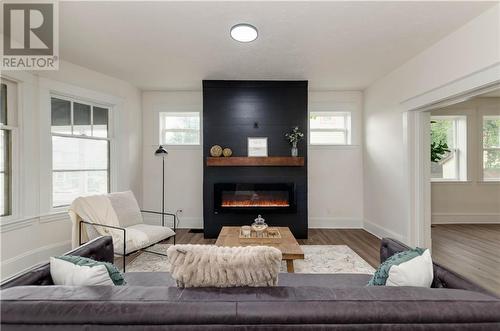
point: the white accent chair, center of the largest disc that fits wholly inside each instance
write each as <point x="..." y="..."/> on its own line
<point x="118" y="215"/>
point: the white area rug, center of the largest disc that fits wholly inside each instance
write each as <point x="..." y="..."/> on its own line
<point x="319" y="259"/>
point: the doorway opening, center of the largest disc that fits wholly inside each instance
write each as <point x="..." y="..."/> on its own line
<point x="465" y="188"/>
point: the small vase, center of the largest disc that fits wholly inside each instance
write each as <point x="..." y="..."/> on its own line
<point x="295" y="150"/>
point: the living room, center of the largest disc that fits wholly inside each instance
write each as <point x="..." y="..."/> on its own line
<point x="301" y="126"/>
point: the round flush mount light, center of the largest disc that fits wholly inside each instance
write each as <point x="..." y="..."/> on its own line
<point x="244" y="33"/>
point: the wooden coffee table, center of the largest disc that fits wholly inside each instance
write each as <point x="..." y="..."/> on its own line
<point x="288" y="245"/>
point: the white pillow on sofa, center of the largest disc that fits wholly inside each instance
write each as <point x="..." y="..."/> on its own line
<point x="418" y="271"/>
<point x="70" y="274"/>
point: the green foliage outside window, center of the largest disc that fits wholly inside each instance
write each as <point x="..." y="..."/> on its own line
<point x="439" y="139"/>
<point x="491" y="139"/>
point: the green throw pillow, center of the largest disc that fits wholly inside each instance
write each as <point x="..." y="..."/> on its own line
<point x="115" y="274"/>
<point x="380" y="276"/>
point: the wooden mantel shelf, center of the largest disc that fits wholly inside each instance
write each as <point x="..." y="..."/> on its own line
<point x="270" y="161"/>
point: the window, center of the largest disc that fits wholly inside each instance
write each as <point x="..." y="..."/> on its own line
<point x="80" y="149"/>
<point x="181" y="128"/>
<point x="491" y="148"/>
<point x="449" y="132"/>
<point x="330" y="128"/>
<point x="7" y="130"/>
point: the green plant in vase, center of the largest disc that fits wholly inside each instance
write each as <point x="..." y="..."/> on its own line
<point x="294" y="137"/>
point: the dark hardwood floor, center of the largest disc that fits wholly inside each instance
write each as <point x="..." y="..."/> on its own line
<point x="363" y="243"/>
<point x="472" y="250"/>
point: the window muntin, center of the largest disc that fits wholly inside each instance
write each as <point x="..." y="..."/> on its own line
<point x="491" y="148"/>
<point x="329" y="128"/>
<point x="78" y="118"/>
<point x="180" y="128"/>
<point x="452" y="131"/>
<point x="80" y="150"/>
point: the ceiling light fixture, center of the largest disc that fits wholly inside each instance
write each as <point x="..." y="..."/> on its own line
<point x="244" y="33"/>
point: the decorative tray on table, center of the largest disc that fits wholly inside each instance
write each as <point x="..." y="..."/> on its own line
<point x="270" y="235"/>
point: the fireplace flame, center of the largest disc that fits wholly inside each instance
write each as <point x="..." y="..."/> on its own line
<point x="255" y="203"/>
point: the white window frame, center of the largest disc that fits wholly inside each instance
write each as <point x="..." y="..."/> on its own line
<point x="461" y="145"/>
<point x="109" y="139"/>
<point x="162" y="130"/>
<point x="483" y="149"/>
<point x="347" y="115"/>
<point x="13" y="128"/>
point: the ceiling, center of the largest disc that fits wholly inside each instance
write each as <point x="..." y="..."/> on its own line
<point x="175" y="45"/>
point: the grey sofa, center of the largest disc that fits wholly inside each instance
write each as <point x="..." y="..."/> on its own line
<point x="150" y="301"/>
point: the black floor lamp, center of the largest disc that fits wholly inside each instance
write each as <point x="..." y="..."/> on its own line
<point x="162" y="152"/>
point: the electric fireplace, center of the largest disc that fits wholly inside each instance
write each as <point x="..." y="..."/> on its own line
<point x="254" y="197"/>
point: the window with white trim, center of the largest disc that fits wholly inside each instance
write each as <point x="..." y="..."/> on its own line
<point x="179" y="128"/>
<point x="8" y="122"/>
<point x="80" y="149"/>
<point x="329" y="128"/>
<point x="449" y="139"/>
<point x="491" y="148"/>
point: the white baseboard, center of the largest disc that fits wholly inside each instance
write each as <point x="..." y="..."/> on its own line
<point x="462" y="218"/>
<point x="382" y="232"/>
<point x="335" y="223"/>
<point x="29" y="258"/>
<point x="190" y="223"/>
<point x="184" y="223"/>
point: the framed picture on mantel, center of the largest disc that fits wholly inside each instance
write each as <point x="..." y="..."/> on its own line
<point x="257" y="147"/>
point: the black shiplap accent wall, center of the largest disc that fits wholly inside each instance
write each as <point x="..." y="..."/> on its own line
<point x="231" y="110"/>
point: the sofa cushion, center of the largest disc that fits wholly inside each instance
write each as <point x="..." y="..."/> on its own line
<point x="249" y="306"/>
<point x="284" y="279"/>
<point x="143" y="235"/>
<point x="323" y="280"/>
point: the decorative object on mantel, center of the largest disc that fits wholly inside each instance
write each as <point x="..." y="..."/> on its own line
<point x="294" y="137"/>
<point x="259" y="226"/>
<point x="227" y="152"/>
<point x="216" y="151"/>
<point x="257" y="146"/>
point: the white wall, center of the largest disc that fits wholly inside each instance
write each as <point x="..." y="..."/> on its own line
<point x="183" y="165"/>
<point x="37" y="231"/>
<point x="473" y="48"/>
<point x="335" y="173"/>
<point x="472" y="201"/>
